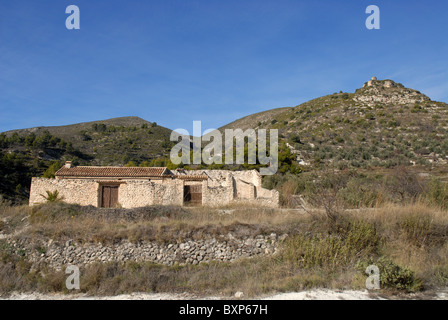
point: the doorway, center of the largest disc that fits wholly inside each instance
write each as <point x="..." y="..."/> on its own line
<point x="193" y="195"/>
<point x="109" y="196"/>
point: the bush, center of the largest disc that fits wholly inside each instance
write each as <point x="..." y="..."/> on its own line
<point x="325" y="193"/>
<point x="130" y="164"/>
<point x="392" y="275"/>
<point x="363" y="192"/>
<point x="436" y="193"/>
<point x="333" y="251"/>
<point x="404" y="183"/>
<point x="296" y="139"/>
<point x="50" y="172"/>
<point x="289" y="185"/>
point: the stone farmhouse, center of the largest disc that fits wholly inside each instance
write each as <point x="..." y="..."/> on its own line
<point x="131" y="187"/>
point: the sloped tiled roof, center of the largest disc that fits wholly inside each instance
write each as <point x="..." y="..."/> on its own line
<point x="112" y="172"/>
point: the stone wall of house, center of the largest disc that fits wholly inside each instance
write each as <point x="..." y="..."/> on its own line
<point x="83" y="192"/>
<point x="131" y="193"/>
<point x="226" y="187"/>
<point x="221" y="188"/>
<point x="216" y="196"/>
<point x="189" y="251"/>
<point x="250" y="176"/>
<point x="139" y="193"/>
<point x="219" y="177"/>
<point x="270" y="198"/>
<point x="244" y="190"/>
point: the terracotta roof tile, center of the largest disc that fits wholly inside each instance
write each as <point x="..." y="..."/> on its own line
<point x="112" y="172"/>
<point x="191" y="177"/>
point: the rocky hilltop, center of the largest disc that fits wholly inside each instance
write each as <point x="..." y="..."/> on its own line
<point x="383" y="123"/>
<point x="388" y="92"/>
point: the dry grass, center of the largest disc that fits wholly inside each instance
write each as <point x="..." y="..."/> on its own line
<point x="62" y="222"/>
<point x="12" y="218"/>
<point x="412" y="240"/>
<point x="417" y="236"/>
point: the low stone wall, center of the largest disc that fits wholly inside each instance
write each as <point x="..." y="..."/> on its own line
<point x="224" y="248"/>
<point x="268" y="198"/>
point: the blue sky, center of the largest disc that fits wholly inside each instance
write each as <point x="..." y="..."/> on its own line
<point x="175" y="61"/>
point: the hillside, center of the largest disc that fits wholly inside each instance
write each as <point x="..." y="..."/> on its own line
<point x="36" y="151"/>
<point x="254" y="120"/>
<point x="109" y="142"/>
<point x="68" y="130"/>
<point x="381" y="124"/>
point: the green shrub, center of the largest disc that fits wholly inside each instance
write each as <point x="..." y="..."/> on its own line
<point x="393" y="123"/>
<point x="50" y="172"/>
<point x="392" y="275"/>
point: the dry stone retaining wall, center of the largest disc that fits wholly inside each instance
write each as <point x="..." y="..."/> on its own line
<point x="227" y="248"/>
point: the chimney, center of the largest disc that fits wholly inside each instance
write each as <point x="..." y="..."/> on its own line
<point x="68" y="164"/>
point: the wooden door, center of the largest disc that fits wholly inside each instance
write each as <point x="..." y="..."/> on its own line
<point x="193" y="194"/>
<point x="109" y="198"/>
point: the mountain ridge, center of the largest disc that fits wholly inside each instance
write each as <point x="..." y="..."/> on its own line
<point x="381" y="125"/>
<point x="125" y="121"/>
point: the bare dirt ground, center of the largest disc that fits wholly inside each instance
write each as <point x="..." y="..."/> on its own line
<point x="316" y="294"/>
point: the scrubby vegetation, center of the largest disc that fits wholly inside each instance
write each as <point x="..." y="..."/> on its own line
<point x="344" y="132"/>
<point x="360" y="184"/>
<point x="335" y="189"/>
<point x="24" y="157"/>
<point x="407" y="241"/>
<point x="42" y="151"/>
